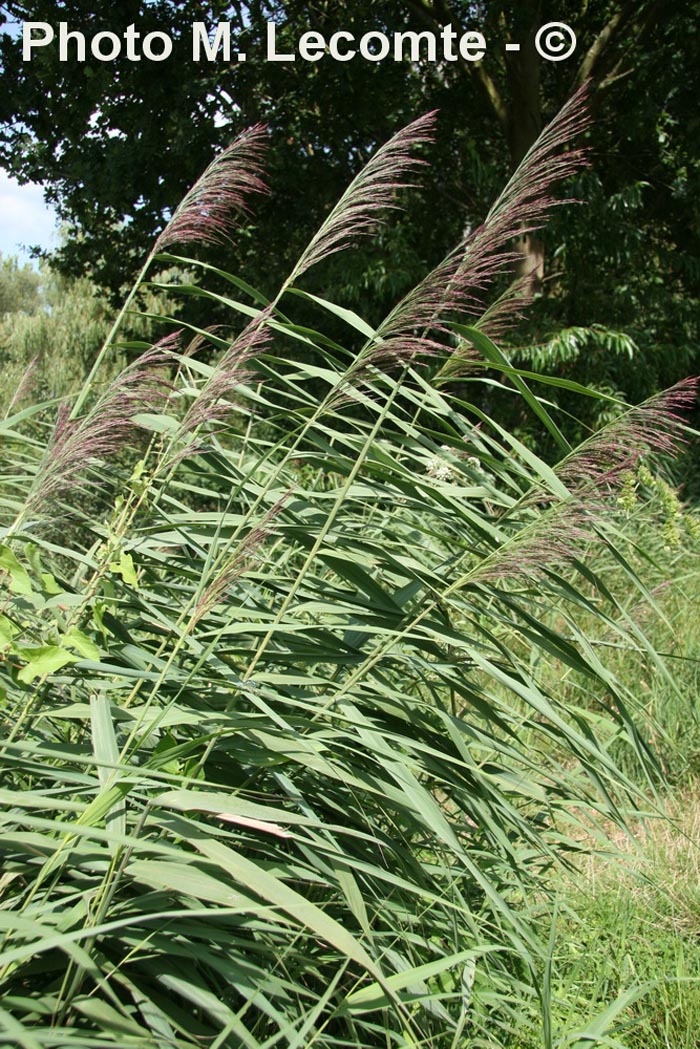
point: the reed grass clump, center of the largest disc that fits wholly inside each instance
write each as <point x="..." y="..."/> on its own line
<point x="282" y="763"/>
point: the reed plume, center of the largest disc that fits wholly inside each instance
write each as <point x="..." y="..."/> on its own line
<point x="372" y="192"/>
<point x="212" y="207"/>
<point x="456" y="287"/>
<point x="78" y="444"/>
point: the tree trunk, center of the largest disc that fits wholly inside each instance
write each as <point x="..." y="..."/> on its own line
<point x="524" y="126"/>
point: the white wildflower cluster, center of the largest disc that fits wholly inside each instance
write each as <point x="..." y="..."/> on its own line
<point x="440" y="468"/>
<point x="483" y="475"/>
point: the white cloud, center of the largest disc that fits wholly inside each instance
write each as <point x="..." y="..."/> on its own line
<point x="25" y="220"/>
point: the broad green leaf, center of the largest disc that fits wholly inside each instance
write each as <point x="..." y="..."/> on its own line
<point x="20" y="583"/>
<point x="43" y="660"/>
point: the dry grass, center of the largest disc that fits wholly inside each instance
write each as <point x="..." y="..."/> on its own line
<point x="631" y="918"/>
<point x="657" y="864"/>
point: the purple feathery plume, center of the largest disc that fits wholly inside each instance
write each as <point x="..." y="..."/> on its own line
<point x="500" y="317"/>
<point x="414" y="326"/>
<point x="654" y="426"/>
<point x="206" y="337"/>
<point x="209" y="210"/>
<point x="592" y="474"/>
<point x="457" y="285"/>
<point x="549" y="542"/>
<point x="508" y="309"/>
<point x="524" y="205"/>
<point x="25" y="385"/>
<point x="371" y="193"/>
<point x="78" y="444"/>
<point x="238" y="564"/>
<point x="231" y="371"/>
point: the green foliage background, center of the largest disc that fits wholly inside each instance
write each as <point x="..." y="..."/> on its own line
<point x="74" y="126"/>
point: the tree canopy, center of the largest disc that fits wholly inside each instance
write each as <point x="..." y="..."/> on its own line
<point x="19" y="287"/>
<point x="117" y="144"/>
